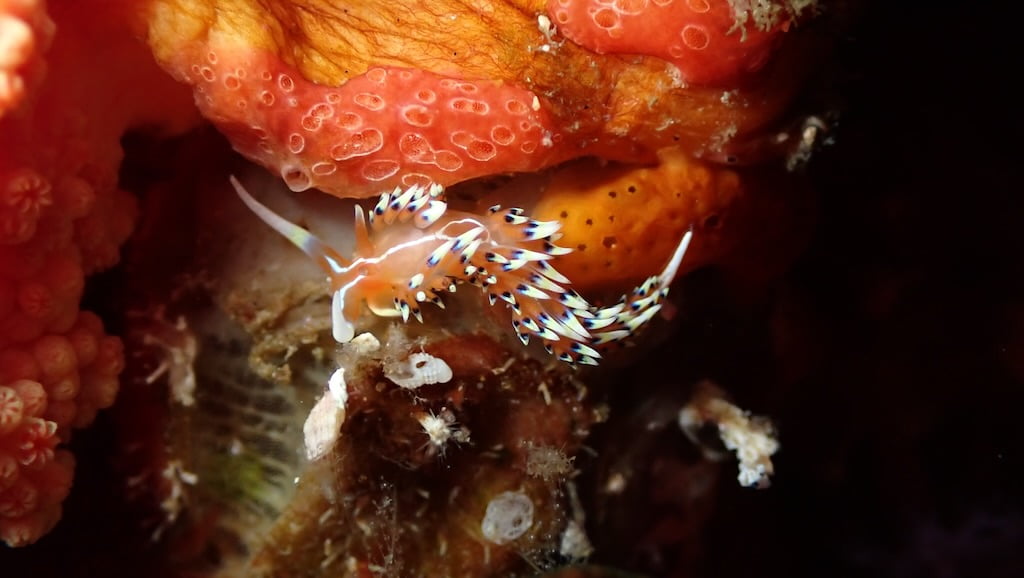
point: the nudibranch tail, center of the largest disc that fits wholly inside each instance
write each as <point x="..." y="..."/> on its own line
<point x="573" y="329"/>
<point x="326" y="257"/>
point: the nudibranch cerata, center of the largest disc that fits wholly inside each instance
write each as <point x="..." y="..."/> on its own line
<point x="411" y="248"/>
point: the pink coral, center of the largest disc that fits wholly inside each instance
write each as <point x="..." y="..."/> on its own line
<point x="61" y="218"/>
<point x="34" y="475"/>
<point x="25" y="31"/>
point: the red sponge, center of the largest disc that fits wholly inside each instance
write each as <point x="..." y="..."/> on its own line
<point x="387" y="127"/>
<point x="712" y="42"/>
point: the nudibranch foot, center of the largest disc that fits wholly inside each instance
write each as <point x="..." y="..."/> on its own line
<point x="412" y="248"/>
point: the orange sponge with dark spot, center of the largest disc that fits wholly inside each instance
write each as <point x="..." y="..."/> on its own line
<point x="624" y="222"/>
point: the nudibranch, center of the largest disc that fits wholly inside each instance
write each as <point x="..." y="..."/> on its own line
<point x="411" y="248"/>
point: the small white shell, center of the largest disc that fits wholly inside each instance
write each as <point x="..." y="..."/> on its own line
<point x="509" y="515"/>
<point x="323" y="425"/>
<point x="364" y="344"/>
<point x="418" y="369"/>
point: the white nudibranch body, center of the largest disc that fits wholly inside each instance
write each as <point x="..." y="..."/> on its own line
<point x="411" y="249"/>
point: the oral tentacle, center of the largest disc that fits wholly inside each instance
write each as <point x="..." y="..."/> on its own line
<point x="341" y="328"/>
<point x="327" y="258"/>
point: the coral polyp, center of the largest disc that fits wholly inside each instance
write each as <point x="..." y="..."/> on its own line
<point x="412" y="249"/>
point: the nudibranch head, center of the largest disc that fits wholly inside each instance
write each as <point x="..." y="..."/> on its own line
<point x="412" y="248"/>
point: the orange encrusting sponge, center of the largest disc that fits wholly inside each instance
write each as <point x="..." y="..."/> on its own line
<point x="623" y="222"/>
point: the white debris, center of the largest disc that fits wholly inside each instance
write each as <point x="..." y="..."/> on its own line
<point x="418" y="369"/>
<point x="721" y="138"/>
<point x="751" y="438"/>
<point x="547" y="462"/>
<point x="675" y="76"/>
<point x="545" y="26"/>
<point x="442" y="428"/>
<point x="509" y="515"/>
<point x="323" y="425"/>
<point x="174" y="502"/>
<point x="337" y="387"/>
<point x="179" y="348"/>
<point x="364" y="343"/>
<point x="575" y="545"/>
<point x="548" y="30"/>
<point x="436" y="428"/>
<point x="616" y="484"/>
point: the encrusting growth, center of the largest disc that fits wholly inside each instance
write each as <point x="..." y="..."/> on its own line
<point x="411" y="249"/>
<point x="712" y="42"/>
